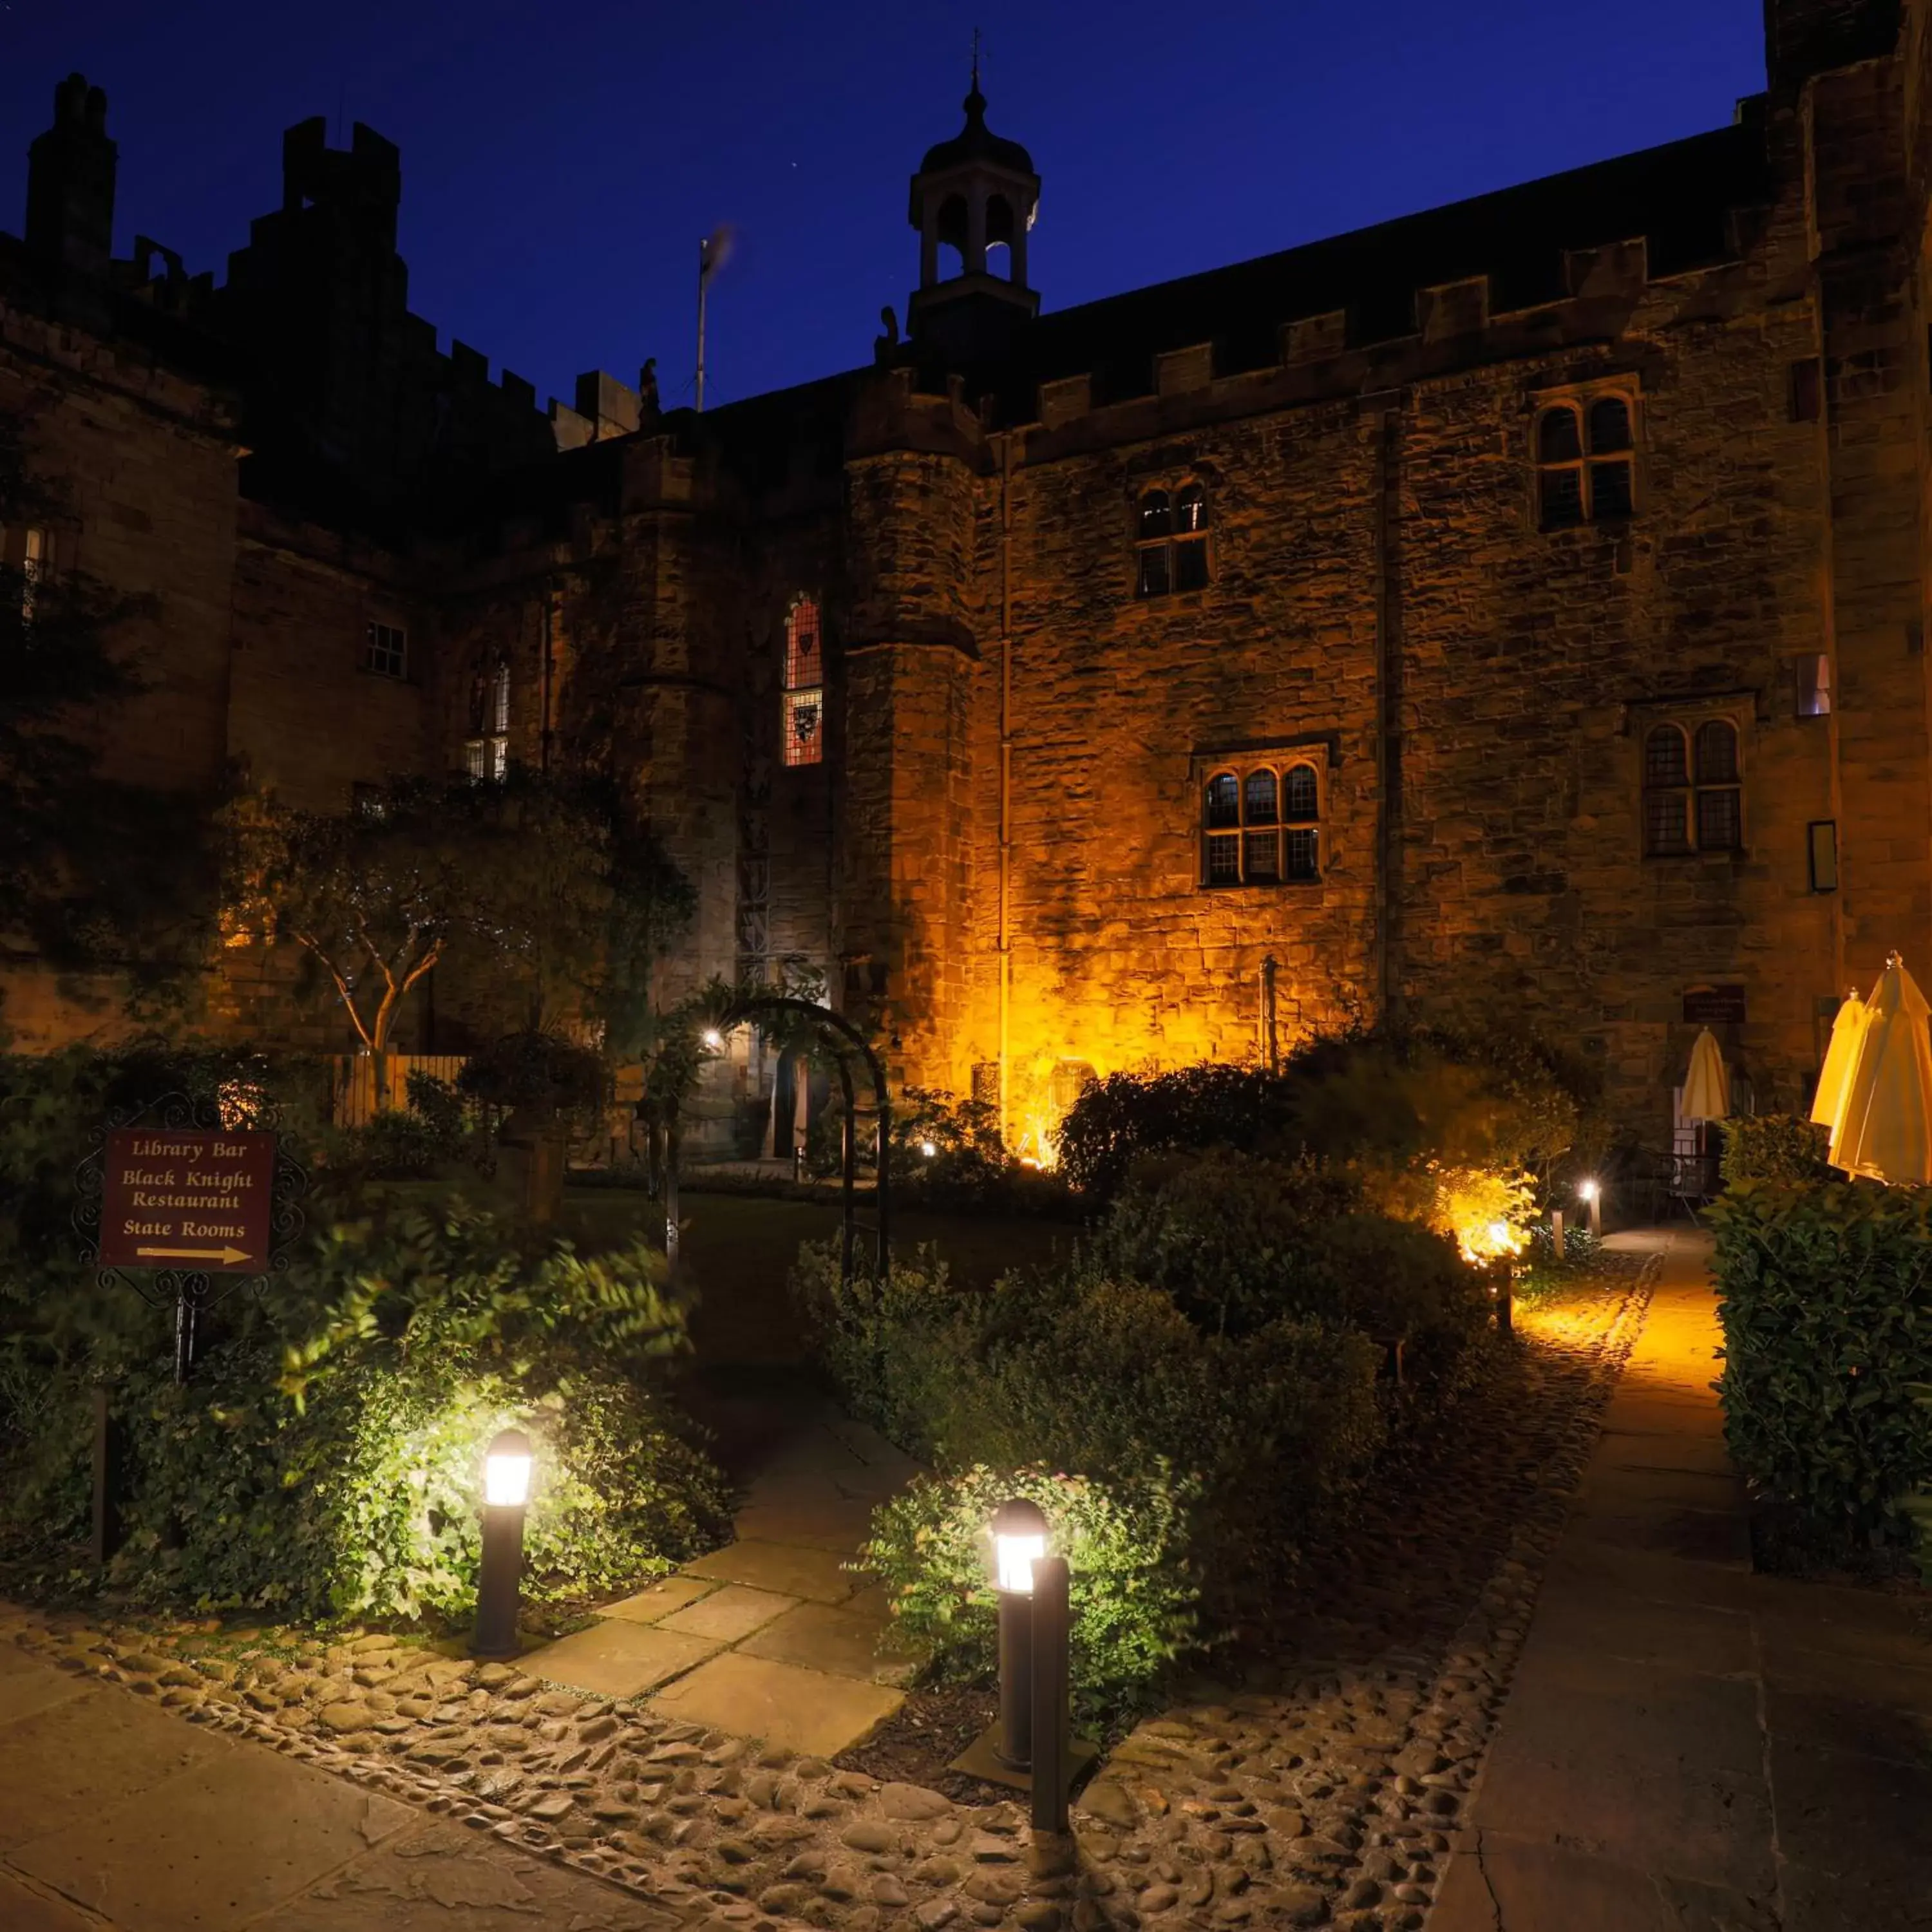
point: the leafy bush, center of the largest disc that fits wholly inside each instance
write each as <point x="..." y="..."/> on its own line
<point x="947" y="1154"/>
<point x="1127" y="1114"/>
<point x="1827" y="1385"/>
<point x="1239" y="1242"/>
<point x="1132" y="1593"/>
<point x="1108" y="1379"/>
<point x="1392" y="1096"/>
<point x="1775" y="1147"/>
<point x="326" y="1457"/>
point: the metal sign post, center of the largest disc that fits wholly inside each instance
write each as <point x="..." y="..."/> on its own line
<point x="171" y="1199"/>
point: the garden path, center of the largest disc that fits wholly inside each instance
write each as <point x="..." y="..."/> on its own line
<point x="775" y="1635"/>
<point x="116" y="1816"/>
<point x="1687" y="1744"/>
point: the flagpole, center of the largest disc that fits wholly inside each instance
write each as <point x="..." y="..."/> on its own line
<point x="703" y="281"/>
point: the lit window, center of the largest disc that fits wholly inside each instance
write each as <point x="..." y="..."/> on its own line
<point x="1585" y="461"/>
<point x="1170" y="541"/>
<point x="487" y="752"/>
<point x="1692" y="790"/>
<point x="1261" y="826"/>
<point x="36" y="563"/>
<point x="1813" y="678"/>
<point x="803" y="718"/>
<point x="385" y="650"/>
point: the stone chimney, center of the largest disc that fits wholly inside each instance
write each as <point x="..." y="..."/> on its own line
<point x="70" y="181"/>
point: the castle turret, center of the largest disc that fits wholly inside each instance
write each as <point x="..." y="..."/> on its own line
<point x="977" y="194"/>
<point x="70" y="181"/>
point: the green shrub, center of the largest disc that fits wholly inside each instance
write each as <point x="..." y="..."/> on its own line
<point x="1132" y="1590"/>
<point x="367" y="1501"/>
<point x="1238" y="1242"/>
<point x="1775" y="1147"/>
<point x="1827" y="1385"/>
<point x="1401" y="1095"/>
<point x="325" y="1456"/>
<point x="1110" y="1380"/>
<point x="1127" y="1114"/>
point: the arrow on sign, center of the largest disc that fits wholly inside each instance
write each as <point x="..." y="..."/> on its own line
<point x="228" y="1256"/>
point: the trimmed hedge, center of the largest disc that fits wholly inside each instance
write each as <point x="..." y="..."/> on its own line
<point x="1827" y="1384"/>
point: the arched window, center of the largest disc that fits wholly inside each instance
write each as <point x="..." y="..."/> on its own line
<point x="1693" y="789"/>
<point x="487" y="752"/>
<point x="803" y="718"/>
<point x="1259" y="826"/>
<point x="1171" y="536"/>
<point x="1585" y="463"/>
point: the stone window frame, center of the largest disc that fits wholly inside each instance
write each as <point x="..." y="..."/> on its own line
<point x="1181" y="542"/>
<point x="1700" y="790"/>
<point x="386" y="649"/>
<point x="486" y="752"/>
<point x="1272" y="839"/>
<point x="802" y="685"/>
<point x="1578" y="401"/>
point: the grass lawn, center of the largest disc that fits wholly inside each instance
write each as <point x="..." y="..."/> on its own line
<point x="738" y="1249"/>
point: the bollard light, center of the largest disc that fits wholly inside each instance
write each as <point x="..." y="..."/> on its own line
<point x="506" y="1490"/>
<point x="1019" y="1540"/>
<point x="1592" y="1195"/>
<point x="506" y="1471"/>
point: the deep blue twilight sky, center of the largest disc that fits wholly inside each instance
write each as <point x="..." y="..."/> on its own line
<point x="561" y="160"/>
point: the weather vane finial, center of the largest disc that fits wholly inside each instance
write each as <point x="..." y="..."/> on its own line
<point x="975" y="60"/>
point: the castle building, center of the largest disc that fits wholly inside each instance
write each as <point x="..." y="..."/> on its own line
<point x="1514" y="614"/>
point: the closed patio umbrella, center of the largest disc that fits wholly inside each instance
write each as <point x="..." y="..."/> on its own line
<point x="1828" y="1104"/>
<point x="1885" y="1127"/>
<point x="1707" y="1086"/>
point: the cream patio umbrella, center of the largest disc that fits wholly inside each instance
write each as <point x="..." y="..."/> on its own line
<point x="1828" y="1104"/>
<point x="1707" y="1086"/>
<point x="1885" y="1128"/>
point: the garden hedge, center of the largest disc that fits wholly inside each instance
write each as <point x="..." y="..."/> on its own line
<point x="1826" y="1304"/>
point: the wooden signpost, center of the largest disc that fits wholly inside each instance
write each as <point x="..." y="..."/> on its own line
<point x="191" y="1197"/>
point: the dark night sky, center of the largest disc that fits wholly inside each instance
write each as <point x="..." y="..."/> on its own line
<point x="561" y="161"/>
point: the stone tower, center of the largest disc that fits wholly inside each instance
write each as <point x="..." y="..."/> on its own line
<point x="975" y="193"/>
<point x="70" y="172"/>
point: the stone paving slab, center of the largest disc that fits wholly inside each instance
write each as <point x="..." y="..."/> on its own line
<point x="654" y="1605"/>
<point x="818" y="1574"/>
<point x="23" y="1909"/>
<point x="1688" y="1744"/>
<point x="1662" y="1770"/>
<point x="839" y="1523"/>
<point x="797" y="1709"/>
<point x="1539" y="1888"/>
<point x="79" y="1755"/>
<point x="168" y="1859"/>
<point x="843" y="1642"/>
<point x="617" y="1658"/>
<point x="439" y="1877"/>
<point x="727" y="1615"/>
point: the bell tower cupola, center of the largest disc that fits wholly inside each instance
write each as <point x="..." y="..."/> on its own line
<point x="974" y="201"/>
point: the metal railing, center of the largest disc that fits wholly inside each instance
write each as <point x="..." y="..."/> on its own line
<point x="354" y="1100"/>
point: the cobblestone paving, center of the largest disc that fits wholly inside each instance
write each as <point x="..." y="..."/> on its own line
<point x="1316" y="1792"/>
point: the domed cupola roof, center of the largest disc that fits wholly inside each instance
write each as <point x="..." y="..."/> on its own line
<point x="977" y="142"/>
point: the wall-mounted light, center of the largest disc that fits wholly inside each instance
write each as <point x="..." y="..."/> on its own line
<point x="714" y="1040"/>
<point x="928" y="1148"/>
